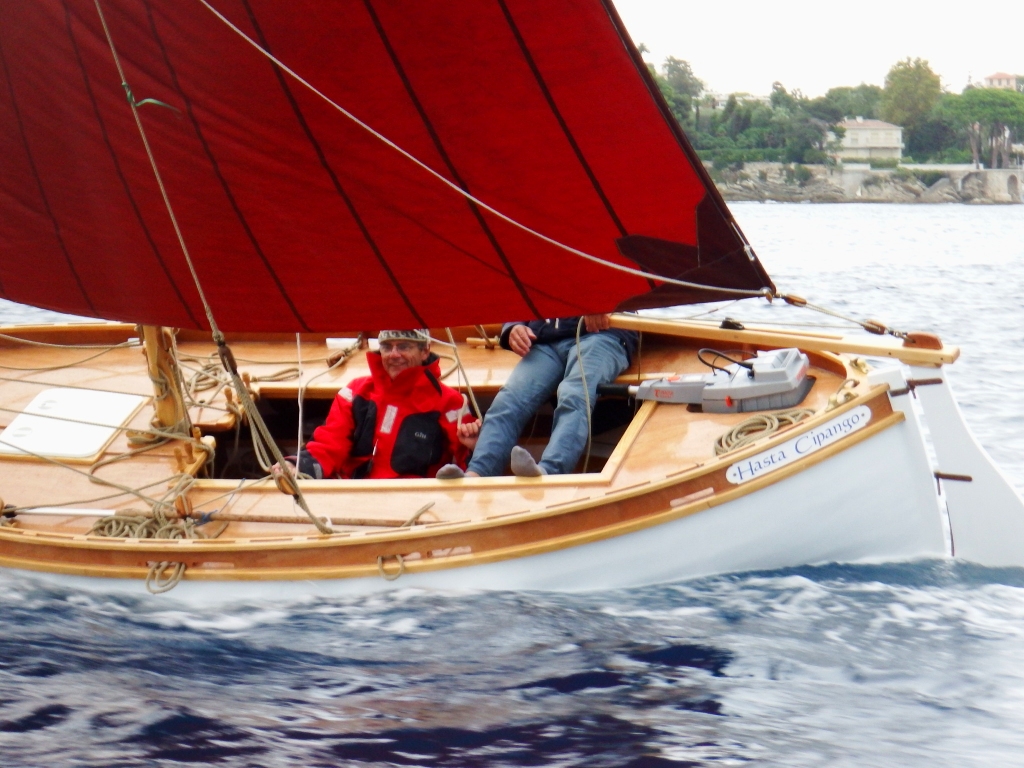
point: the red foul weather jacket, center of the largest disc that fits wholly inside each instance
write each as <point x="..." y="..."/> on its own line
<point x="380" y="427"/>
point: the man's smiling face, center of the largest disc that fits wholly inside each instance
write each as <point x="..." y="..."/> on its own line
<point x="400" y="355"/>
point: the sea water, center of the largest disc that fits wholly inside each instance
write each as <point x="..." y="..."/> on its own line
<point x="918" y="664"/>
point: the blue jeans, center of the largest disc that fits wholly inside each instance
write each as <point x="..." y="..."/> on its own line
<point x="548" y="369"/>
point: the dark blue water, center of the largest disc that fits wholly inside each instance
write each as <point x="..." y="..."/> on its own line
<point x="836" y="665"/>
<point x="916" y="664"/>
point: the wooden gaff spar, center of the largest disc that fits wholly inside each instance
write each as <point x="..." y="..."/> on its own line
<point x="530" y="169"/>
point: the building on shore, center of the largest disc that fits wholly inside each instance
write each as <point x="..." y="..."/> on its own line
<point x="1005" y="81"/>
<point x="867" y="139"/>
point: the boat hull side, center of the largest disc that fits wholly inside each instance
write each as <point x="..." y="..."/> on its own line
<point x="867" y="502"/>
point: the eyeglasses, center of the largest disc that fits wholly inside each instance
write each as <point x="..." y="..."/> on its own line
<point x="405" y="347"/>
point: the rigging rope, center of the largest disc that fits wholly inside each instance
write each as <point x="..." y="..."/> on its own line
<point x="765" y="292"/>
<point x="52" y="345"/>
<point x="463" y="374"/>
<point x="58" y="367"/>
<point x="157" y="583"/>
<point x="223" y="351"/>
<point x="871" y="326"/>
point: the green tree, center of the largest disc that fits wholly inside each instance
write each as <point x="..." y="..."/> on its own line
<point x="911" y="91"/>
<point x="990" y="118"/>
<point x="859" y="101"/>
<point x="782" y="98"/>
<point x="934" y="136"/>
<point x="825" y="109"/>
<point x="680" y="76"/>
<point x="680" y="87"/>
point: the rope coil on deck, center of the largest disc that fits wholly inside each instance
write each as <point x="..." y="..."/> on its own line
<point x="756" y="427"/>
<point x="162" y="576"/>
<point x="143" y="525"/>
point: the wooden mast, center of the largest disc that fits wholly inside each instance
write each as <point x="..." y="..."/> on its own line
<point x="168" y="400"/>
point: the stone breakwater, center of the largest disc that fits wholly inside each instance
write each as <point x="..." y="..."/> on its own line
<point x="914" y="184"/>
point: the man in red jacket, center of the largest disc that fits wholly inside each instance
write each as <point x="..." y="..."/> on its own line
<point x="400" y="421"/>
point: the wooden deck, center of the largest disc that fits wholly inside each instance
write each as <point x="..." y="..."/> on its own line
<point x="663" y="465"/>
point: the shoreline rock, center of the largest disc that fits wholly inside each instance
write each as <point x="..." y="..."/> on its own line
<point x="778" y="182"/>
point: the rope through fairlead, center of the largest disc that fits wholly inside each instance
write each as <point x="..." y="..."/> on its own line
<point x="871" y="326"/>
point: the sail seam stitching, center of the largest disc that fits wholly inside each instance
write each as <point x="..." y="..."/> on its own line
<point x="428" y="124"/>
<point x="300" y="117"/>
<point x="220" y="176"/>
<point x="39" y="183"/>
<point x="711" y="191"/>
<point x="455" y="187"/>
<point x="120" y="172"/>
<point x="550" y="99"/>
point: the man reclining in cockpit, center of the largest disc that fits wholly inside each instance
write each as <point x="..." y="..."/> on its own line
<point x="568" y="357"/>
<point x="400" y="421"/>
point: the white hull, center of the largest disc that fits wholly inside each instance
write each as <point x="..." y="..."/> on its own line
<point x="869" y="502"/>
<point x="661" y="512"/>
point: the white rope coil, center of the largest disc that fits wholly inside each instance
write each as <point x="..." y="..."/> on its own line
<point x="756" y="427"/>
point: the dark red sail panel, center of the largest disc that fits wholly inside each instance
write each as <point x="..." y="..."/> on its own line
<point x="298" y="219"/>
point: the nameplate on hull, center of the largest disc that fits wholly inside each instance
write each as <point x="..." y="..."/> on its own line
<point x="800" y="446"/>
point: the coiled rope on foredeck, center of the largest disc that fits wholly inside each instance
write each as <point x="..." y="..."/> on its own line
<point x="756" y="427"/>
<point x="137" y="524"/>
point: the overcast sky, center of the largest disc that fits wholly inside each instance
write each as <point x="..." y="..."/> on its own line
<point x="740" y="45"/>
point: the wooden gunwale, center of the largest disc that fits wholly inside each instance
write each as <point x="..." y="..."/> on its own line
<point x="624" y="510"/>
<point x="224" y="571"/>
<point x="607" y="512"/>
<point x="689" y="474"/>
<point x="69" y="333"/>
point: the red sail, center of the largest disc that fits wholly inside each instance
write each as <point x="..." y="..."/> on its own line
<point x="299" y="219"/>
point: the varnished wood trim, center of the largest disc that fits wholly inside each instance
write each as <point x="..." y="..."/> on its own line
<point x="782" y="338"/>
<point x="710" y="469"/>
<point x="94" y="571"/>
<point x="69" y="333"/>
<point x="420" y="565"/>
<point x="604" y="477"/>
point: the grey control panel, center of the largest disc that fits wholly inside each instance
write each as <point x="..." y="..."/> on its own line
<point x="772" y="380"/>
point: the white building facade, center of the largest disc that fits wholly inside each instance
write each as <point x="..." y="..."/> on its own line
<point x="1004" y="81"/>
<point x="868" y="139"/>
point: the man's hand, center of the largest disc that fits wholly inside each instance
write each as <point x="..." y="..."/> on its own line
<point x="520" y="338"/>
<point x="469" y="433"/>
<point x="283" y="480"/>
<point x="595" y="323"/>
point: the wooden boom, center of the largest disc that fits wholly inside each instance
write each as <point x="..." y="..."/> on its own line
<point x="816" y="342"/>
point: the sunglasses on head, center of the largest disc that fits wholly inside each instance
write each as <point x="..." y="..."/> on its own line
<point x="402" y="346"/>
